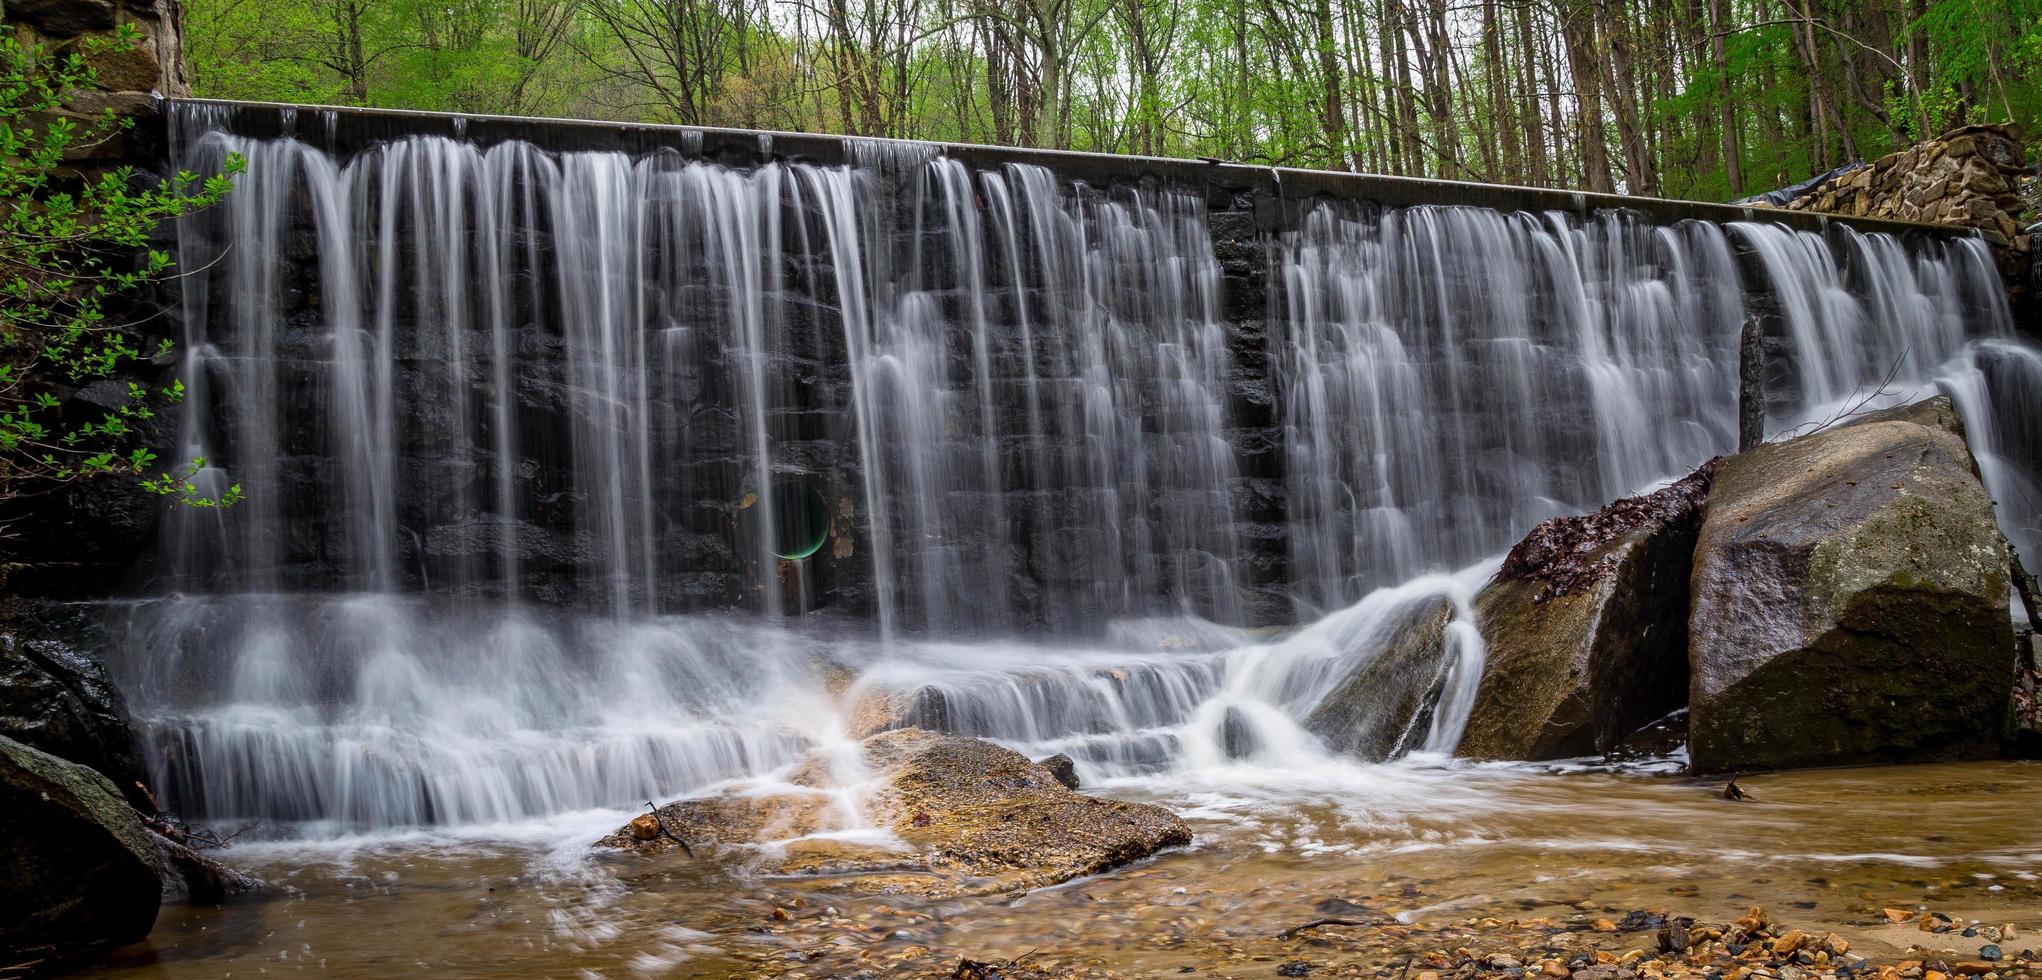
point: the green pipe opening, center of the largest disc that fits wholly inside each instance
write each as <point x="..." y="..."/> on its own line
<point x="801" y="521"/>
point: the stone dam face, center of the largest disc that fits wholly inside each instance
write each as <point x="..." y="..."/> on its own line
<point x="965" y="389"/>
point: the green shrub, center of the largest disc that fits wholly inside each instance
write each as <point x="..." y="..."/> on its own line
<point x="71" y="246"/>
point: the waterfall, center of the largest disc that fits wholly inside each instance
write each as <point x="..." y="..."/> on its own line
<point x="576" y="479"/>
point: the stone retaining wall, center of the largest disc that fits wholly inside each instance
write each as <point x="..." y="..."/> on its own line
<point x="1973" y="177"/>
<point x="126" y="76"/>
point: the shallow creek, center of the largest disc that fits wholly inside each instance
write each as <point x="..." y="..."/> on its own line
<point x="1429" y="845"/>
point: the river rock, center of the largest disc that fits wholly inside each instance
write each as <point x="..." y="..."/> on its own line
<point x="1586" y="629"/>
<point x="55" y="698"/>
<point x="970" y="817"/>
<point x="875" y="708"/>
<point x="79" y="869"/>
<point x="1064" y="768"/>
<point x="1384" y="704"/>
<point x="1850" y="601"/>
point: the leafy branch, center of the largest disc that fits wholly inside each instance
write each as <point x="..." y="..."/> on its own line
<point x="70" y="245"/>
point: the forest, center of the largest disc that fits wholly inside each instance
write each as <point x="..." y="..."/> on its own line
<point x="1701" y="99"/>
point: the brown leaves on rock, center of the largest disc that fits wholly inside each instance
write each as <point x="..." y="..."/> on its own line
<point x="1571" y="553"/>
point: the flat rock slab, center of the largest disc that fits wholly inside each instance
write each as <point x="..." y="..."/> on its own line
<point x="971" y="818"/>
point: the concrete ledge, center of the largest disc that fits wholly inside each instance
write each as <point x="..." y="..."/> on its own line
<point x="347" y="131"/>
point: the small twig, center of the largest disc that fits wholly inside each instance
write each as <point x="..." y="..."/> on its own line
<point x="668" y="834"/>
<point x="1856" y="407"/>
<point x="1292" y="932"/>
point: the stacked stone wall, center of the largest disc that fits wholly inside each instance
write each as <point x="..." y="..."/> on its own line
<point x="1973" y="177"/>
<point x="126" y="75"/>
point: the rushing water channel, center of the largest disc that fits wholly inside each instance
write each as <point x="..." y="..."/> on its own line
<point x="528" y="438"/>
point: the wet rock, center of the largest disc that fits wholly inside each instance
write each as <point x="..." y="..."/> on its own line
<point x="975" y="818"/>
<point x="1237" y="736"/>
<point x="1659" y="739"/>
<point x="79" y="869"/>
<point x="1387" y="699"/>
<point x="1586" y="628"/>
<point x="1673" y="935"/>
<point x="1063" y="768"/>
<point x="63" y="18"/>
<point x="55" y="698"/>
<point x="1850" y="601"/>
<point x="876" y="710"/>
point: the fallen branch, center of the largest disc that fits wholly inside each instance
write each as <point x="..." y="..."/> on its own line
<point x="1856" y="408"/>
<point x="1294" y="931"/>
<point x="668" y="834"/>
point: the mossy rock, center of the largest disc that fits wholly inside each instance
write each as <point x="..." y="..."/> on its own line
<point x="1586" y="628"/>
<point x="79" y="869"/>
<point x="1383" y="705"/>
<point x="1571" y="673"/>
<point x="1850" y="601"/>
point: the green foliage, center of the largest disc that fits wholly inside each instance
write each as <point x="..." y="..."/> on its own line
<point x="69" y="246"/>
<point x="1481" y="88"/>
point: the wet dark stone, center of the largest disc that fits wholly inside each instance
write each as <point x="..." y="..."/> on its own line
<point x="1065" y="771"/>
<point x="1586" y="626"/>
<point x="80" y="869"/>
<point x="1379" y="709"/>
<point x="55" y="698"/>
<point x="1237" y="739"/>
<point x="1850" y="601"/>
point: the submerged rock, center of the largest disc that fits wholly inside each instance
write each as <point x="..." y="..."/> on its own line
<point x="1378" y="709"/>
<point x="970" y="818"/>
<point x="79" y="869"/>
<point x="1586" y="628"/>
<point x="1850" y="601"/>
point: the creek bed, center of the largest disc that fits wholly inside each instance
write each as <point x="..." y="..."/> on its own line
<point x="1430" y="846"/>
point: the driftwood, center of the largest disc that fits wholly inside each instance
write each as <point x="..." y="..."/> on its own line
<point x="1294" y="931"/>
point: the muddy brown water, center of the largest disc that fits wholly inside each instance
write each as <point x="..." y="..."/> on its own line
<point x="1821" y="849"/>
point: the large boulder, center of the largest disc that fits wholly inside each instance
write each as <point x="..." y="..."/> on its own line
<point x="1586" y="629"/>
<point x="966" y="816"/>
<point x="1850" y="601"/>
<point x="55" y="698"/>
<point x="1382" y="707"/>
<point x="79" y="869"/>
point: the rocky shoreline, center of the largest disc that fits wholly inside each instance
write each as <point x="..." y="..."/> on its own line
<point x="1361" y="940"/>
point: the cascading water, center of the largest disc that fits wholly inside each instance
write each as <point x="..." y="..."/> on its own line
<point x="513" y="426"/>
